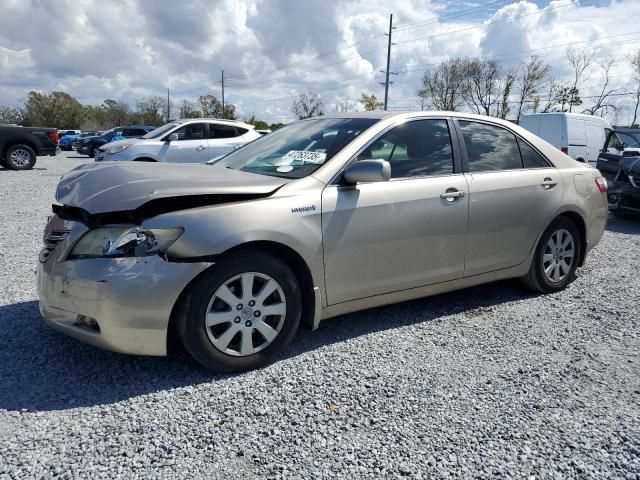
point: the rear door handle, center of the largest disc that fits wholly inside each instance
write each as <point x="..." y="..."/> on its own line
<point x="548" y="183"/>
<point x="452" y="194"/>
<point x="200" y="147"/>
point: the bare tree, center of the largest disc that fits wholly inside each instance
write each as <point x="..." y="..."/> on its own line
<point x="634" y="59"/>
<point x="9" y="114"/>
<point x="345" y="104"/>
<point x="531" y="75"/>
<point x="551" y="98"/>
<point x="151" y="109"/>
<point x="188" y="109"/>
<point x="601" y="104"/>
<point x="580" y="63"/>
<point x="442" y="87"/>
<point x="307" y="105"/>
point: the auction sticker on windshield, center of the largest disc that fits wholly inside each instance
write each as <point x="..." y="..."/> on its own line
<point x="300" y="157"/>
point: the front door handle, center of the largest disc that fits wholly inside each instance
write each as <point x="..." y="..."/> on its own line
<point x="200" y="147"/>
<point x="451" y="194"/>
<point x="548" y="183"/>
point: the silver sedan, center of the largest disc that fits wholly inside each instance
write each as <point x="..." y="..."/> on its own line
<point x="326" y="216"/>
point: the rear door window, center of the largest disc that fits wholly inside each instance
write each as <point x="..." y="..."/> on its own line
<point x="530" y="157"/>
<point x="490" y="147"/>
<point x="222" y="131"/>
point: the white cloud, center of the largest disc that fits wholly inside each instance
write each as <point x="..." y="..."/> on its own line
<point x="273" y="49"/>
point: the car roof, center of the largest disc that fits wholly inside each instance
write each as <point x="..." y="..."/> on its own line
<point x="213" y="120"/>
<point x="627" y="130"/>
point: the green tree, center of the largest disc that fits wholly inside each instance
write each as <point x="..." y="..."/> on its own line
<point x="370" y="102"/>
<point x="57" y="109"/>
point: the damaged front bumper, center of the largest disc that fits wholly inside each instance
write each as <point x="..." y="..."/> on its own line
<point x="121" y="304"/>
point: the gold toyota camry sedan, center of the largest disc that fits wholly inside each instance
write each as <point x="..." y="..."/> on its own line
<point x="326" y="216"/>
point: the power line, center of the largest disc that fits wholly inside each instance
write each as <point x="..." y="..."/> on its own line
<point x="484" y="25"/>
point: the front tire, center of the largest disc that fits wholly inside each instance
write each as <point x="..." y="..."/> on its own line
<point x="556" y="258"/>
<point x="241" y="313"/>
<point x="19" y="157"/>
<point x="92" y="152"/>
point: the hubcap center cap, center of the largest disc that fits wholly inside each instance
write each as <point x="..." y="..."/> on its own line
<point x="246" y="313"/>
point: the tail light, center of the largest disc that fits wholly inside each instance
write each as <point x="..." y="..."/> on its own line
<point x="53" y="136"/>
<point x="601" y="183"/>
<point x="565" y="150"/>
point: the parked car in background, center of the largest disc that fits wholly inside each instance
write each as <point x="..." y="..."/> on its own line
<point x="19" y="146"/>
<point x="89" y="146"/>
<point x="579" y="136"/>
<point x="183" y="141"/>
<point x="323" y="217"/>
<point x="66" y="142"/>
<point x="64" y="133"/>
<point x="619" y="162"/>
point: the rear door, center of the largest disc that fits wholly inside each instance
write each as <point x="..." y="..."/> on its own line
<point x="191" y="146"/>
<point x="577" y="136"/>
<point x="514" y="193"/>
<point x="595" y="139"/>
<point x="223" y="139"/>
<point x="383" y="237"/>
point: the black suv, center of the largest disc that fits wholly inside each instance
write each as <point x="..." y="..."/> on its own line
<point x="619" y="162"/>
<point x="89" y="146"/>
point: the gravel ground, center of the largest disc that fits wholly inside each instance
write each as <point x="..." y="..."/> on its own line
<point x="485" y="382"/>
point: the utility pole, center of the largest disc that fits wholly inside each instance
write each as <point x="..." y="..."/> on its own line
<point x="223" y="110"/>
<point x="168" y="106"/>
<point x="387" y="72"/>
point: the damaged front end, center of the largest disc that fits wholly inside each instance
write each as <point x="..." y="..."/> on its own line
<point x="624" y="192"/>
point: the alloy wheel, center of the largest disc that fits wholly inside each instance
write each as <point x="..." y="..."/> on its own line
<point x="20" y="157"/>
<point x="245" y="314"/>
<point x="558" y="256"/>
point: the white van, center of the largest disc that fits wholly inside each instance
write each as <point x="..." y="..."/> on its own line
<point x="579" y="136"/>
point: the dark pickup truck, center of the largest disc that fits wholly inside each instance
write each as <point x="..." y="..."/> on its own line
<point x="19" y="146"/>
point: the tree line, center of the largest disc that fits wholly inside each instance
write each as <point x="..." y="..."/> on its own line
<point x="61" y="110"/>
<point x="484" y="86"/>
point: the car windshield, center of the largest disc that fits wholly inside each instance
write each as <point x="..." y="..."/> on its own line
<point x="297" y="150"/>
<point x="158" y="132"/>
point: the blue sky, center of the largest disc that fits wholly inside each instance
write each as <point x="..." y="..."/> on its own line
<point x="272" y="50"/>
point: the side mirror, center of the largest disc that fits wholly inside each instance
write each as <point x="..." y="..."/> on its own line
<point x="367" y="171"/>
<point x="624" y="145"/>
<point x="173" y="137"/>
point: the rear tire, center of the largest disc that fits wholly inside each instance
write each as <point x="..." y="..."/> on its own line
<point x="92" y="152"/>
<point x="19" y="157"/>
<point x="556" y="258"/>
<point x="229" y="323"/>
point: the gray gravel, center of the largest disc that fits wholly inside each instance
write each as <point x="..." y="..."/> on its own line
<point x="485" y="382"/>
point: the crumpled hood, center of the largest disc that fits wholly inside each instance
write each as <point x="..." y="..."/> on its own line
<point x="118" y="186"/>
<point x="126" y="141"/>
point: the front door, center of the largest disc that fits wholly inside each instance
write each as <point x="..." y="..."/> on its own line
<point x="514" y="193"/>
<point x="610" y="156"/>
<point x="405" y="233"/>
<point x="191" y="146"/>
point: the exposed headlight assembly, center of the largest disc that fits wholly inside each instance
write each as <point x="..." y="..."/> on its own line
<point x="119" y="148"/>
<point x="125" y="242"/>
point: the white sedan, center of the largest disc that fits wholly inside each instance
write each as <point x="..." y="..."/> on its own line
<point x="182" y="141"/>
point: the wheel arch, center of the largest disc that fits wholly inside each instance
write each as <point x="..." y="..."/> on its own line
<point x="293" y="260"/>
